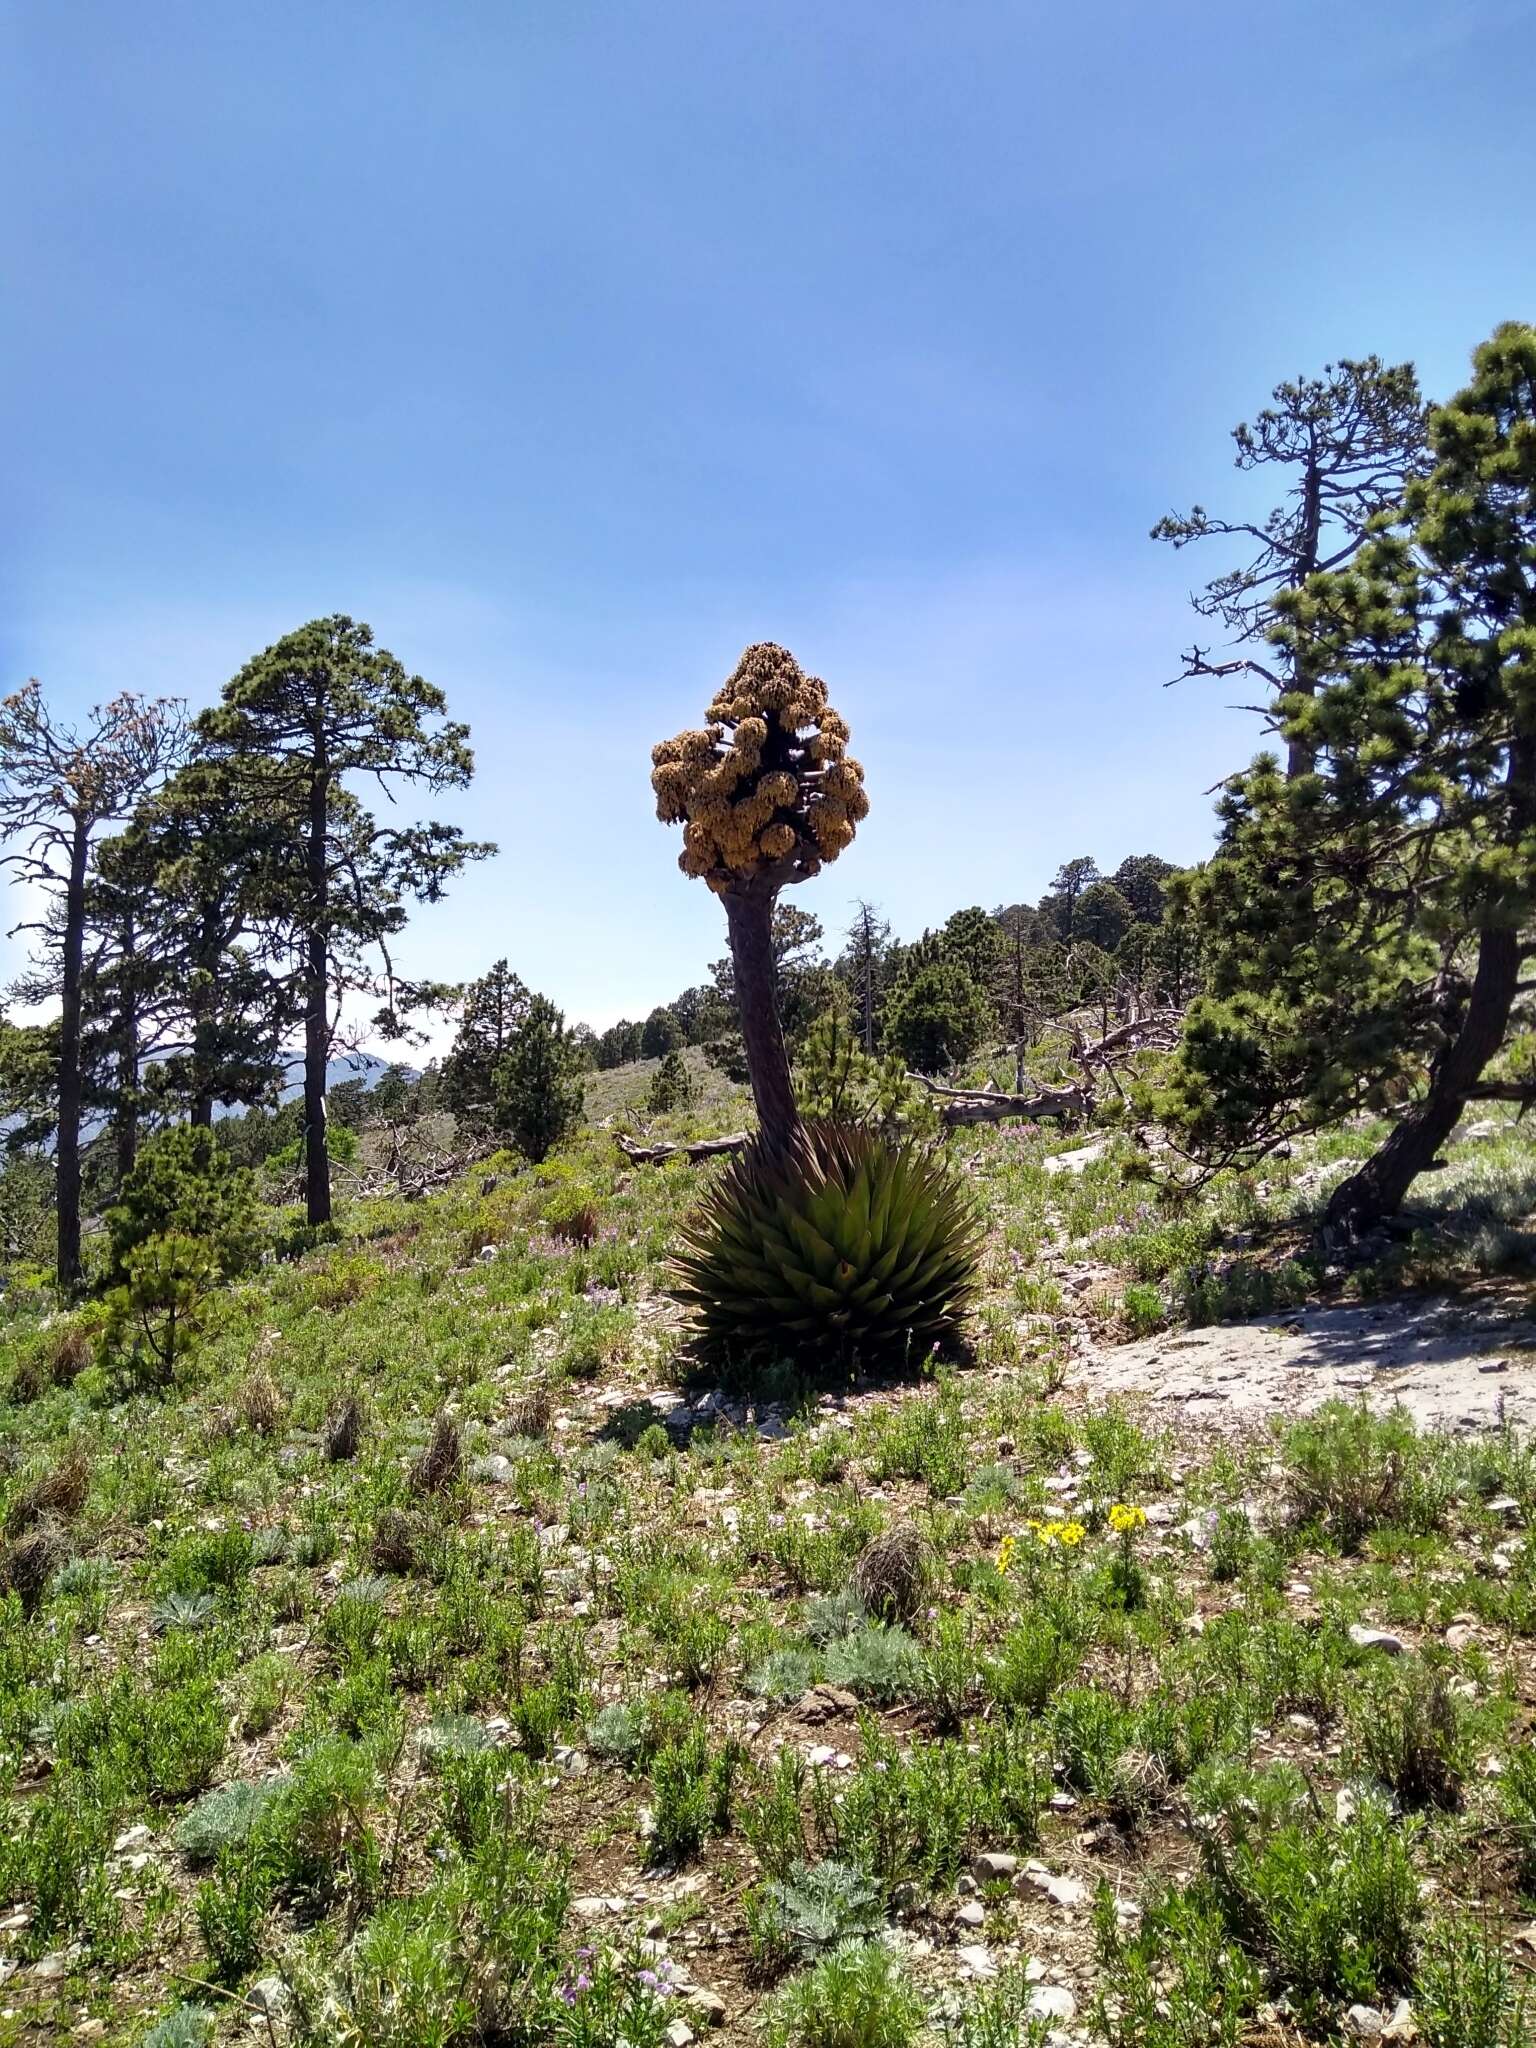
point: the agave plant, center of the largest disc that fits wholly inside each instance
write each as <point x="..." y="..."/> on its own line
<point x="845" y="1241"/>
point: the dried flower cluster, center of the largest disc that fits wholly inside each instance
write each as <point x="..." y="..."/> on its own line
<point x="767" y="787"/>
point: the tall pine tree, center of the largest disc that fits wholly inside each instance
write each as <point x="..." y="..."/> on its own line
<point x="318" y="712"/>
<point x="59" y="786"/>
<point x="1367" y="923"/>
<point x="1351" y="439"/>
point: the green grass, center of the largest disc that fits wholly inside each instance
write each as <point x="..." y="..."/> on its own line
<point x="367" y="1715"/>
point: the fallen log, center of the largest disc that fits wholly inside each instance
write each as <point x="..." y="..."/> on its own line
<point x="702" y="1148"/>
<point x="992" y="1106"/>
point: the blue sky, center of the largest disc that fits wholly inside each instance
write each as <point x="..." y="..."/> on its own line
<point x="575" y="346"/>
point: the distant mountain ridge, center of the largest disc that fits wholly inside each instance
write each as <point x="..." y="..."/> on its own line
<point x="366" y="1067"/>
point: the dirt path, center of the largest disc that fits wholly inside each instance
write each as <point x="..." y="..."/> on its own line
<point x="1463" y="1363"/>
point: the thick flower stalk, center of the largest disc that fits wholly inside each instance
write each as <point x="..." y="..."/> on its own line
<point x="766" y="792"/>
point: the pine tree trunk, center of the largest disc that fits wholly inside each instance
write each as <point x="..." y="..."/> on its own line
<point x="1300" y="754"/>
<point x="1379" y="1187"/>
<point x="204" y="1027"/>
<point x="127" y="1119"/>
<point x="317" y="1046"/>
<point x="749" y="918"/>
<point x="67" y="1148"/>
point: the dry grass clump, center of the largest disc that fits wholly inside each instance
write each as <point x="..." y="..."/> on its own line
<point x="442" y="1462"/>
<point x="60" y="1492"/>
<point x="343" y="1431"/>
<point x="396" y="1535"/>
<point x="891" y="1572"/>
<point x="59" y="1360"/>
<point x="28" y="1564"/>
<point x="262" y="1403"/>
<point x="530" y="1414"/>
<point x="575" y="1225"/>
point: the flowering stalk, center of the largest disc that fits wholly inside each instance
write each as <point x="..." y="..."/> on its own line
<point x="765" y="794"/>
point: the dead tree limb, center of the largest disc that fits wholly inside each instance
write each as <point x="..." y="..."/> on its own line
<point x="992" y="1106"/>
<point x="702" y="1148"/>
<point x="1158" y="1027"/>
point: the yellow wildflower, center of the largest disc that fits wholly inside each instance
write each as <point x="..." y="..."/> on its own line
<point x="1005" y="1551"/>
<point x="1123" y="1518"/>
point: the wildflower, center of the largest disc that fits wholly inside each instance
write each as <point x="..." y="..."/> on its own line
<point x="1005" y="1551"/>
<point x="1070" y="1533"/>
<point x="1123" y="1519"/>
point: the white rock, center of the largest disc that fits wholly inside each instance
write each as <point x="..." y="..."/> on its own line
<point x="971" y="1915"/>
<point x="1062" y="1891"/>
<point x="131" y="1837"/>
<point x="270" y="1995"/>
<point x="1052" y="2002"/>
<point x="1364" y="2022"/>
<point x="978" y="1960"/>
<point x="1376" y="1639"/>
<point x="679" y="2034"/>
<point x="1401" y="2026"/>
<point x="992" y="1864"/>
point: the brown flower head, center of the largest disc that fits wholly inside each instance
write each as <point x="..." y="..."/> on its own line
<point x="768" y="787"/>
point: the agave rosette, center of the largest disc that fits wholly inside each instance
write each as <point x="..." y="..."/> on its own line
<point x="847" y="1240"/>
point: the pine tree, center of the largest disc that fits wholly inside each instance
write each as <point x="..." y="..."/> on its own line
<point x="1102" y="917"/>
<point x="1058" y="909"/>
<point x="1141" y="878"/>
<point x="662" y="1034"/>
<point x="538" y="1082"/>
<point x="865" y="967"/>
<point x="201" y="868"/>
<point x="619" y="1045"/>
<point x="974" y="940"/>
<point x="1354" y="437"/>
<point x="703" y="1013"/>
<point x="317" y="711"/>
<point x="671" y="1086"/>
<point x="58" y="787"/>
<point x="936" y="1016"/>
<point x="492" y="1010"/>
<point x="1366" y="922"/>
